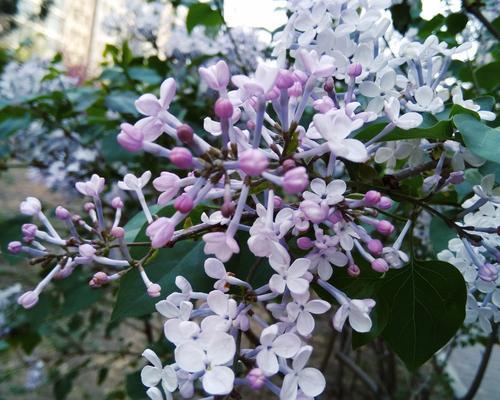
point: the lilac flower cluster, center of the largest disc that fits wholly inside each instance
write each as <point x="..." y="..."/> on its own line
<point x="477" y="257"/>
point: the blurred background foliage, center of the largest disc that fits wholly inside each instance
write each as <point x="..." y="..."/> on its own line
<point x="58" y="124"/>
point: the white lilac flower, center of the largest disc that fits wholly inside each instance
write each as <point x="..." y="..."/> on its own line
<point x="273" y="345"/>
<point x="291" y="277"/>
<point x="310" y="381"/>
<point x="300" y="310"/>
<point x="210" y="359"/>
<point x="358" y="313"/>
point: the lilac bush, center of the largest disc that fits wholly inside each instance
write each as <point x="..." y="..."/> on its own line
<point x="303" y="166"/>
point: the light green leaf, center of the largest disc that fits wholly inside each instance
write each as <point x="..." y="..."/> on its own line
<point x="479" y="138"/>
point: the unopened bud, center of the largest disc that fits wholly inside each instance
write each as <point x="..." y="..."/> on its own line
<point x="256" y="379"/>
<point x="15" y="247"/>
<point x="304" y="243"/>
<point x="372" y="197"/>
<point x="118" y="232"/>
<point x="28" y="299"/>
<point x="181" y="157"/>
<point x="253" y="162"/>
<point x="295" y="180"/>
<point x="385" y="203"/>
<point x="228" y="208"/>
<point x="224" y="108"/>
<point x="185" y="134"/>
<point x="353" y="271"/>
<point x="354" y="70"/>
<point x="375" y="247"/>
<point x="154" y="290"/>
<point x="117" y="202"/>
<point x="62" y="213"/>
<point x="385" y="227"/>
<point x="184" y="203"/>
<point x="380" y="265"/>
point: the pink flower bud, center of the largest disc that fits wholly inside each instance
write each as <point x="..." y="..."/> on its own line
<point x="304" y="243"/>
<point x="329" y="85"/>
<point x="288" y="164"/>
<point x="372" y="197"/>
<point x="160" y="232"/>
<point x="353" y="271"/>
<point x="29" y="230"/>
<point x="488" y="272"/>
<point x="28" y="299"/>
<point x="375" y="247"/>
<point x="228" y="209"/>
<point x="154" y="290"/>
<point x="273" y="94"/>
<point x="15" y="247"/>
<point x="256" y="378"/>
<point x="88" y="206"/>
<point x="335" y="217"/>
<point x="295" y="90"/>
<point x="224" y="108"/>
<point x="118" y="232"/>
<point x="385" y="203"/>
<point x="380" y="265"/>
<point x="62" y="213"/>
<point x="100" y="278"/>
<point x="278" y="202"/>
<point x="130" y="137"/>
<point x="285" y="79"/>
<point x="253" y="162"/>
<point x="184" y="203"/>
<point x="354" y="70"/>
<point x="117" y="202"/>
<point x="385" y="227"/>
<point x="295" y="180"/>
<point x="185" y="134"/>
<point x="251" y="125"/>
<point x="181" y="157"/>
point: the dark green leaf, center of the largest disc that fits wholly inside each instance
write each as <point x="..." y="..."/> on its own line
<point x="427" y="306"/>
<point x="456" y="22"/>
<point x="430" y="128"/>
<point x="479" y="138"/>
<point x="202" y="14"/>
<point x="487" y="75"/>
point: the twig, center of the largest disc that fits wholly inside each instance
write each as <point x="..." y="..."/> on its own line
<point x="473" y="8"/>
<point x="369" y="383"/>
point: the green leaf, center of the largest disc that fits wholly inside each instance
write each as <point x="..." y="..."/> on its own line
<point x="83" y="97"/>
<point x="487" y="75"/>
<point x="431" y="26"/>
<point x="11" y="124"/>
<point x="143" y="74"/>
<point x="430" y="128"/>
<point x="427" y="306"/>
<point x="122" y="102"/>
<point x="184" y="258"/>
<point x="202" y="14"/>
<point x="479" y="138"/>
<point x="456" y="22"/>
<point x="440" y="234"/>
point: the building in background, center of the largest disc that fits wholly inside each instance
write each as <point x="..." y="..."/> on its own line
<point x="72" y="27"/>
